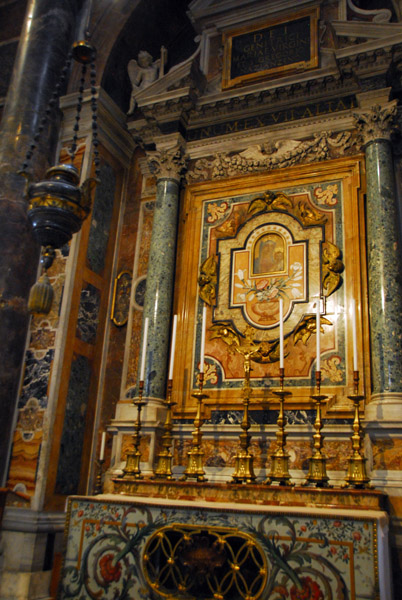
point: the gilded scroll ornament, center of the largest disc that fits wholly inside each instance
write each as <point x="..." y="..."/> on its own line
<point x="260" y="352"/>
<point x="207" y="280"/>
<point x="307" y="327"/>
<point x="302" y="210"/>
<point x="331" y="268"/>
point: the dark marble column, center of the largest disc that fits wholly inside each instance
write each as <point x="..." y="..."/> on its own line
<point x="167" y="165"/>
<point x="45" y="40"/>
<point x="384" y="264"/>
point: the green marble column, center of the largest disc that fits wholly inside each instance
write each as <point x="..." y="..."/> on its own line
<point x="45" y="40"/>
<point x="384" y="264"/>
<point x="160" y="276"/>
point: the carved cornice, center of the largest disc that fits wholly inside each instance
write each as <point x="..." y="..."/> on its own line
<point x="268" y="157"/>
<point x="168" y="164"/>
<point x="376" y="123"/>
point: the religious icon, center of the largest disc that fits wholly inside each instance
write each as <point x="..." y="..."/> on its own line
<point x="269" y="254"/>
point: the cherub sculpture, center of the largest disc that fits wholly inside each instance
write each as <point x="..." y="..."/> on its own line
<point x="143" y="72"/>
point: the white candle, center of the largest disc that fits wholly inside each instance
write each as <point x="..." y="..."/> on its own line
<point x="318" y="327"/>
<point x="354" y="334"/>
<point x="172" y="347"/>
<point x="204" y="318"/>
<point x="144" y="348"/>
<point x="102" y="448"/>
<point x="280" y="333"/>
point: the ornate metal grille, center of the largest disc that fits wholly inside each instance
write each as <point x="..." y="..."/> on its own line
<point x="204" y="563"/>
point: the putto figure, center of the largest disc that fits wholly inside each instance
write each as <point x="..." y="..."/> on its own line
<point x="143" y="72"/>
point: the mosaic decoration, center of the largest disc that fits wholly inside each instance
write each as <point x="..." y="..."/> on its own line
<point x="101" y="219"/>
<point x="117" y="550"/>
<point x="68" y="472"/>
<point x="88" y="314"/>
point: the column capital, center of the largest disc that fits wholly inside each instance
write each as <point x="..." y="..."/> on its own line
<point x="168" y="163"/>
<point x="376" y="122"/>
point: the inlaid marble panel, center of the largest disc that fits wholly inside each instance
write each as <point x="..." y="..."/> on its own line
<point x="101" y="218"/>
<point x="36" y="377"/>
<point x="68" y="472"/>
<point x="294" y="554"/>
<point x="88" y="314"/>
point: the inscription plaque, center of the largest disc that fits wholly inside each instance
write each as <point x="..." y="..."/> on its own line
<point x="273" y="48"/>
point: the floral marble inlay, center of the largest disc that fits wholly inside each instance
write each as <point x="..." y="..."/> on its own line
<point x="317" y="556"/>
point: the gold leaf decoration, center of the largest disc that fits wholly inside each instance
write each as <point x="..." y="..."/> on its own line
<point x="308" y="215"/>
<point x="207" y="280"/>
<point x="307" y="327"/>
<point x="270" y="202"/>
<point x="331" y="267"/>
<point x="260" y="352"/>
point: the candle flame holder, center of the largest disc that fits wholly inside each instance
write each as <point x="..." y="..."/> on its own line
<point x="164" y="465"/>
<point x="244" y="470"/>
<point x="280" y="459"/>
<point x="357" y="476"/>
<point x="317" y="474"/>
<point x="195" y="469"/>
<point x="132" y="468"/>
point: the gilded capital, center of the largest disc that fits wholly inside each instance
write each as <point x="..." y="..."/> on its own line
<point x="376" y="123"/>
<point x="169" y="164"/>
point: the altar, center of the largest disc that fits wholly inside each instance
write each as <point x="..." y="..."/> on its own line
<point x="208" y="541"/>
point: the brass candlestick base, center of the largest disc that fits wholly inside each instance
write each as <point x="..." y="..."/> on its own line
<point x="317" y="474"/>
<point x="280" y="460"/>
<point x="164" y="465"/>
<point x="133" y="459"/>
<point x="357" y="476"/>
<point x="98" y="480"/>
<point x="244" y="470"/>
<point x="195" y="469"/>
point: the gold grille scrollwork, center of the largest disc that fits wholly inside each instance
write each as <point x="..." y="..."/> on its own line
<point x="204" y="563"/>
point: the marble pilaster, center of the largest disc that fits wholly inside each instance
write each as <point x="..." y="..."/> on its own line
<point x="44" y="44"/>
<point x="384" y="264"/>
<point x="167" y="166"/>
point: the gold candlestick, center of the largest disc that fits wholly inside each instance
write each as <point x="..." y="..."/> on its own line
<point x="244" y="470"/>
<point x="357" y="476"/>
<point x="132" y="468"/>
<point x="195" y="456"/>
<point x="98" y="480"/>
<point x="317" y="474"/>
<point x="280" y="459"/>
<point x="164" y="465"/>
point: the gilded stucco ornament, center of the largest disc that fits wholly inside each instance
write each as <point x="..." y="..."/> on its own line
<point x="169" y="164"/>
<point x="377" y="123"/>
<point x="208" y="279"/>
<point x="260" y="352"/>
<point x="267" y="157"/>
<point x="271" y="201"/>
<point x="331" y="268"/>
<point x="307" y="327"/>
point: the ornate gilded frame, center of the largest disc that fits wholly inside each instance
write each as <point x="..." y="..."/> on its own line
<point x="349" y="172"/>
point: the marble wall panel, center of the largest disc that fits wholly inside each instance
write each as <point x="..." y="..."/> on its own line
<point x="68" y="472"/>
<point x="387" y="454"/>
<point x="101" y="218"/>
<point x="88" y="314"/>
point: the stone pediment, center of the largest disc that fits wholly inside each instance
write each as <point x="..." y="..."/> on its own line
<point x="177" y="83"/>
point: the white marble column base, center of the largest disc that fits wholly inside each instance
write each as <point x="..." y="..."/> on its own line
<point x="386" y="406"/>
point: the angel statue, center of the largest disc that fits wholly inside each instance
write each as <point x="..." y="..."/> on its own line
<point x="143" y="72"/>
